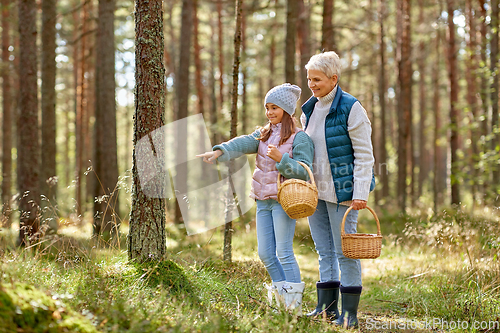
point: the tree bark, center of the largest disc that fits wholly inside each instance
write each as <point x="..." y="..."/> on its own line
<point x="228" y="227"/>
<point x="106" y="205"/>
<point x="28" y="157"/>
<point x="439" y="180"/>
<point x="146" y="239"/>
<point x="381" y="166"/>
<point x="6" y="218"/>
<point x="291" y="32"/>
<point x="454" y="116"/>
<point x="484" y="89"/>
<point x="328" y="37"/>
<point x="423" y="160"/>
<point x="404" y="99"/>
<point x="305" y="49"/>
<point x="48" y="179"/>
<point x="220" y="42"/>
<point x="494" y="57"/>
<point x="471" y="75"/>
<point x="182" y="95"/>
<point x="197" y="60"/>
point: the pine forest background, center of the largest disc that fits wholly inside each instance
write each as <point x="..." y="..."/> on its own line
<point x="426" y="71"/>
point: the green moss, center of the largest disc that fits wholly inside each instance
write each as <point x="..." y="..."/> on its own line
<point x="166" y="273"/>
<point x="27" y="309"/>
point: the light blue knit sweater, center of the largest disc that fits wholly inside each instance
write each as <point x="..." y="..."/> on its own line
<point x="302" y="150"/>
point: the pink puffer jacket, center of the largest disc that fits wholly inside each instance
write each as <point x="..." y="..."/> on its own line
<point x="265" y="175"/>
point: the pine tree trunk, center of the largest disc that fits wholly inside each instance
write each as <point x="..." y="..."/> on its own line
<point x="48" y="180"/>
<point x="404" y="99"/>
<point x="484" y="75"/>
<point x="220" y="42"/>
<point x="454" y="117"/>
<point x="438" y="181"/>
<point x="197" y="60"/>
<point x="146" y="239"/>
<point x="423" y="161"/>
<point x="327" y="40"/>
<point x="381" y="168"/>
<point x="470" y="74"/>
<point x="228" y="227"/>
<point x="305" y="49"/>
<point x="291" y="32"/>
<point x="494" y="57"/>
<point x="106" y="207"/>
<point x="6" y="219"/>
<point x="182" y="95"/>
<point x="28" y="148"/>
<point x="80" y="114"/>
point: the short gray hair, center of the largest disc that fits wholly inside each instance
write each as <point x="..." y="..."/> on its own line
<point x="327" y="62"/>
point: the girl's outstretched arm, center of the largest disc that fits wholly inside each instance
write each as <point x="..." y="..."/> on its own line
<point x="234" y="148"/>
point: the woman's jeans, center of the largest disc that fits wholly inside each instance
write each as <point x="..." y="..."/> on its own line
<point x="325" y="226"/>
<point x="275" y="232"/>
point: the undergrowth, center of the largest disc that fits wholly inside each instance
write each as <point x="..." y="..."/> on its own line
<point x="444" y="266"/>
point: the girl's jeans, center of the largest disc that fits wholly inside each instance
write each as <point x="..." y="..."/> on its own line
<point x="275" y="232"/>
<point x="325" y="226"/>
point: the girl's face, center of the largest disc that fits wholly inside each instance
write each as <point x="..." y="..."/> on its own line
<point x="320" y="84"/>
<point x="274" y="113"/>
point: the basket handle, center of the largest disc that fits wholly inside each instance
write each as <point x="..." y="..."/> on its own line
<point x="342" y="231"/>
<point x="311" y="177"/>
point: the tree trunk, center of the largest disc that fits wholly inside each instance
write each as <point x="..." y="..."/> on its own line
<point x="197" y="60"/>
<point x="220" y="41"/>
<point x="106" y="207"/>
<point x="291" y="32"/>
<point x="484" y="90"/>
<point x="28" y="147"/>
<point x="470" y="74"/>
<point x="454" y="117"/>
<point x="327" y="40"/>
<point x="6" y="219"/>
<point x="404" y="99"/>
<point x="228" y="227"/>
<point x="213" y="95"/>
<point x="494" y="56"/>
<point x="182" y="98"/>
<point x="81" y="87"/>
<point x="48" y="180"/>
<point x="305" y="49"/>
<point x="381" y="168"/>
<point x="423" y="161"/>
<point x="146" y="239"/>
<point x="439" y="182"/>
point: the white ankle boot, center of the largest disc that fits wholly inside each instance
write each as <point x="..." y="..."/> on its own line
<point x="292" y="294"/>
<point x="275" y="290"/>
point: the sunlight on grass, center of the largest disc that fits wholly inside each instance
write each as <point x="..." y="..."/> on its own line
<point x="432" y="267"/>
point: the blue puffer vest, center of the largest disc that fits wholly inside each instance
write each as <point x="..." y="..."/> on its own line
<point x="338" y="143"/>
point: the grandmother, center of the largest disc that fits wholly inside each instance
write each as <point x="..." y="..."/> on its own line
<point x="343" y="164"/>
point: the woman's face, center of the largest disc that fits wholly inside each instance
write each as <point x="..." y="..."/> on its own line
<point x="274" y="113"/>
<point x="320" y="84"/>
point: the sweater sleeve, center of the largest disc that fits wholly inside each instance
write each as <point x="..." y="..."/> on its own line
<point x="234" y="148"/>
<point x="360" y="131"/>
<point x="303" y="151"/>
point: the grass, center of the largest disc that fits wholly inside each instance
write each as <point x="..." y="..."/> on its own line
<point x="432" y="268"/>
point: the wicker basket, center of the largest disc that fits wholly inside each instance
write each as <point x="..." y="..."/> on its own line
<point x="361" y="246"/>
<point x="298" y="197"/>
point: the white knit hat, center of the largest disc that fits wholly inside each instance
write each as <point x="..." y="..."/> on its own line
<point x="285" y="96"/>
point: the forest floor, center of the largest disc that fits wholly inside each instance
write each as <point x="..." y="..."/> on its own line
<point x="436" y="274"/>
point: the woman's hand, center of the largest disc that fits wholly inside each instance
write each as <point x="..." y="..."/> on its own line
<point x="358" y="204"/>
<point x="210" y="156"/>
<point x="274" y="153"/>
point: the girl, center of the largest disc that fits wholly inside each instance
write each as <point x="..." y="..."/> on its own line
<point x="279" y="145"/>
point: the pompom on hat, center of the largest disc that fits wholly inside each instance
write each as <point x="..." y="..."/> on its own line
<point x="285" y="96"/>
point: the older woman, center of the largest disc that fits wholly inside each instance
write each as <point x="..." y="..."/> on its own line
<point x="343" y="163"/>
